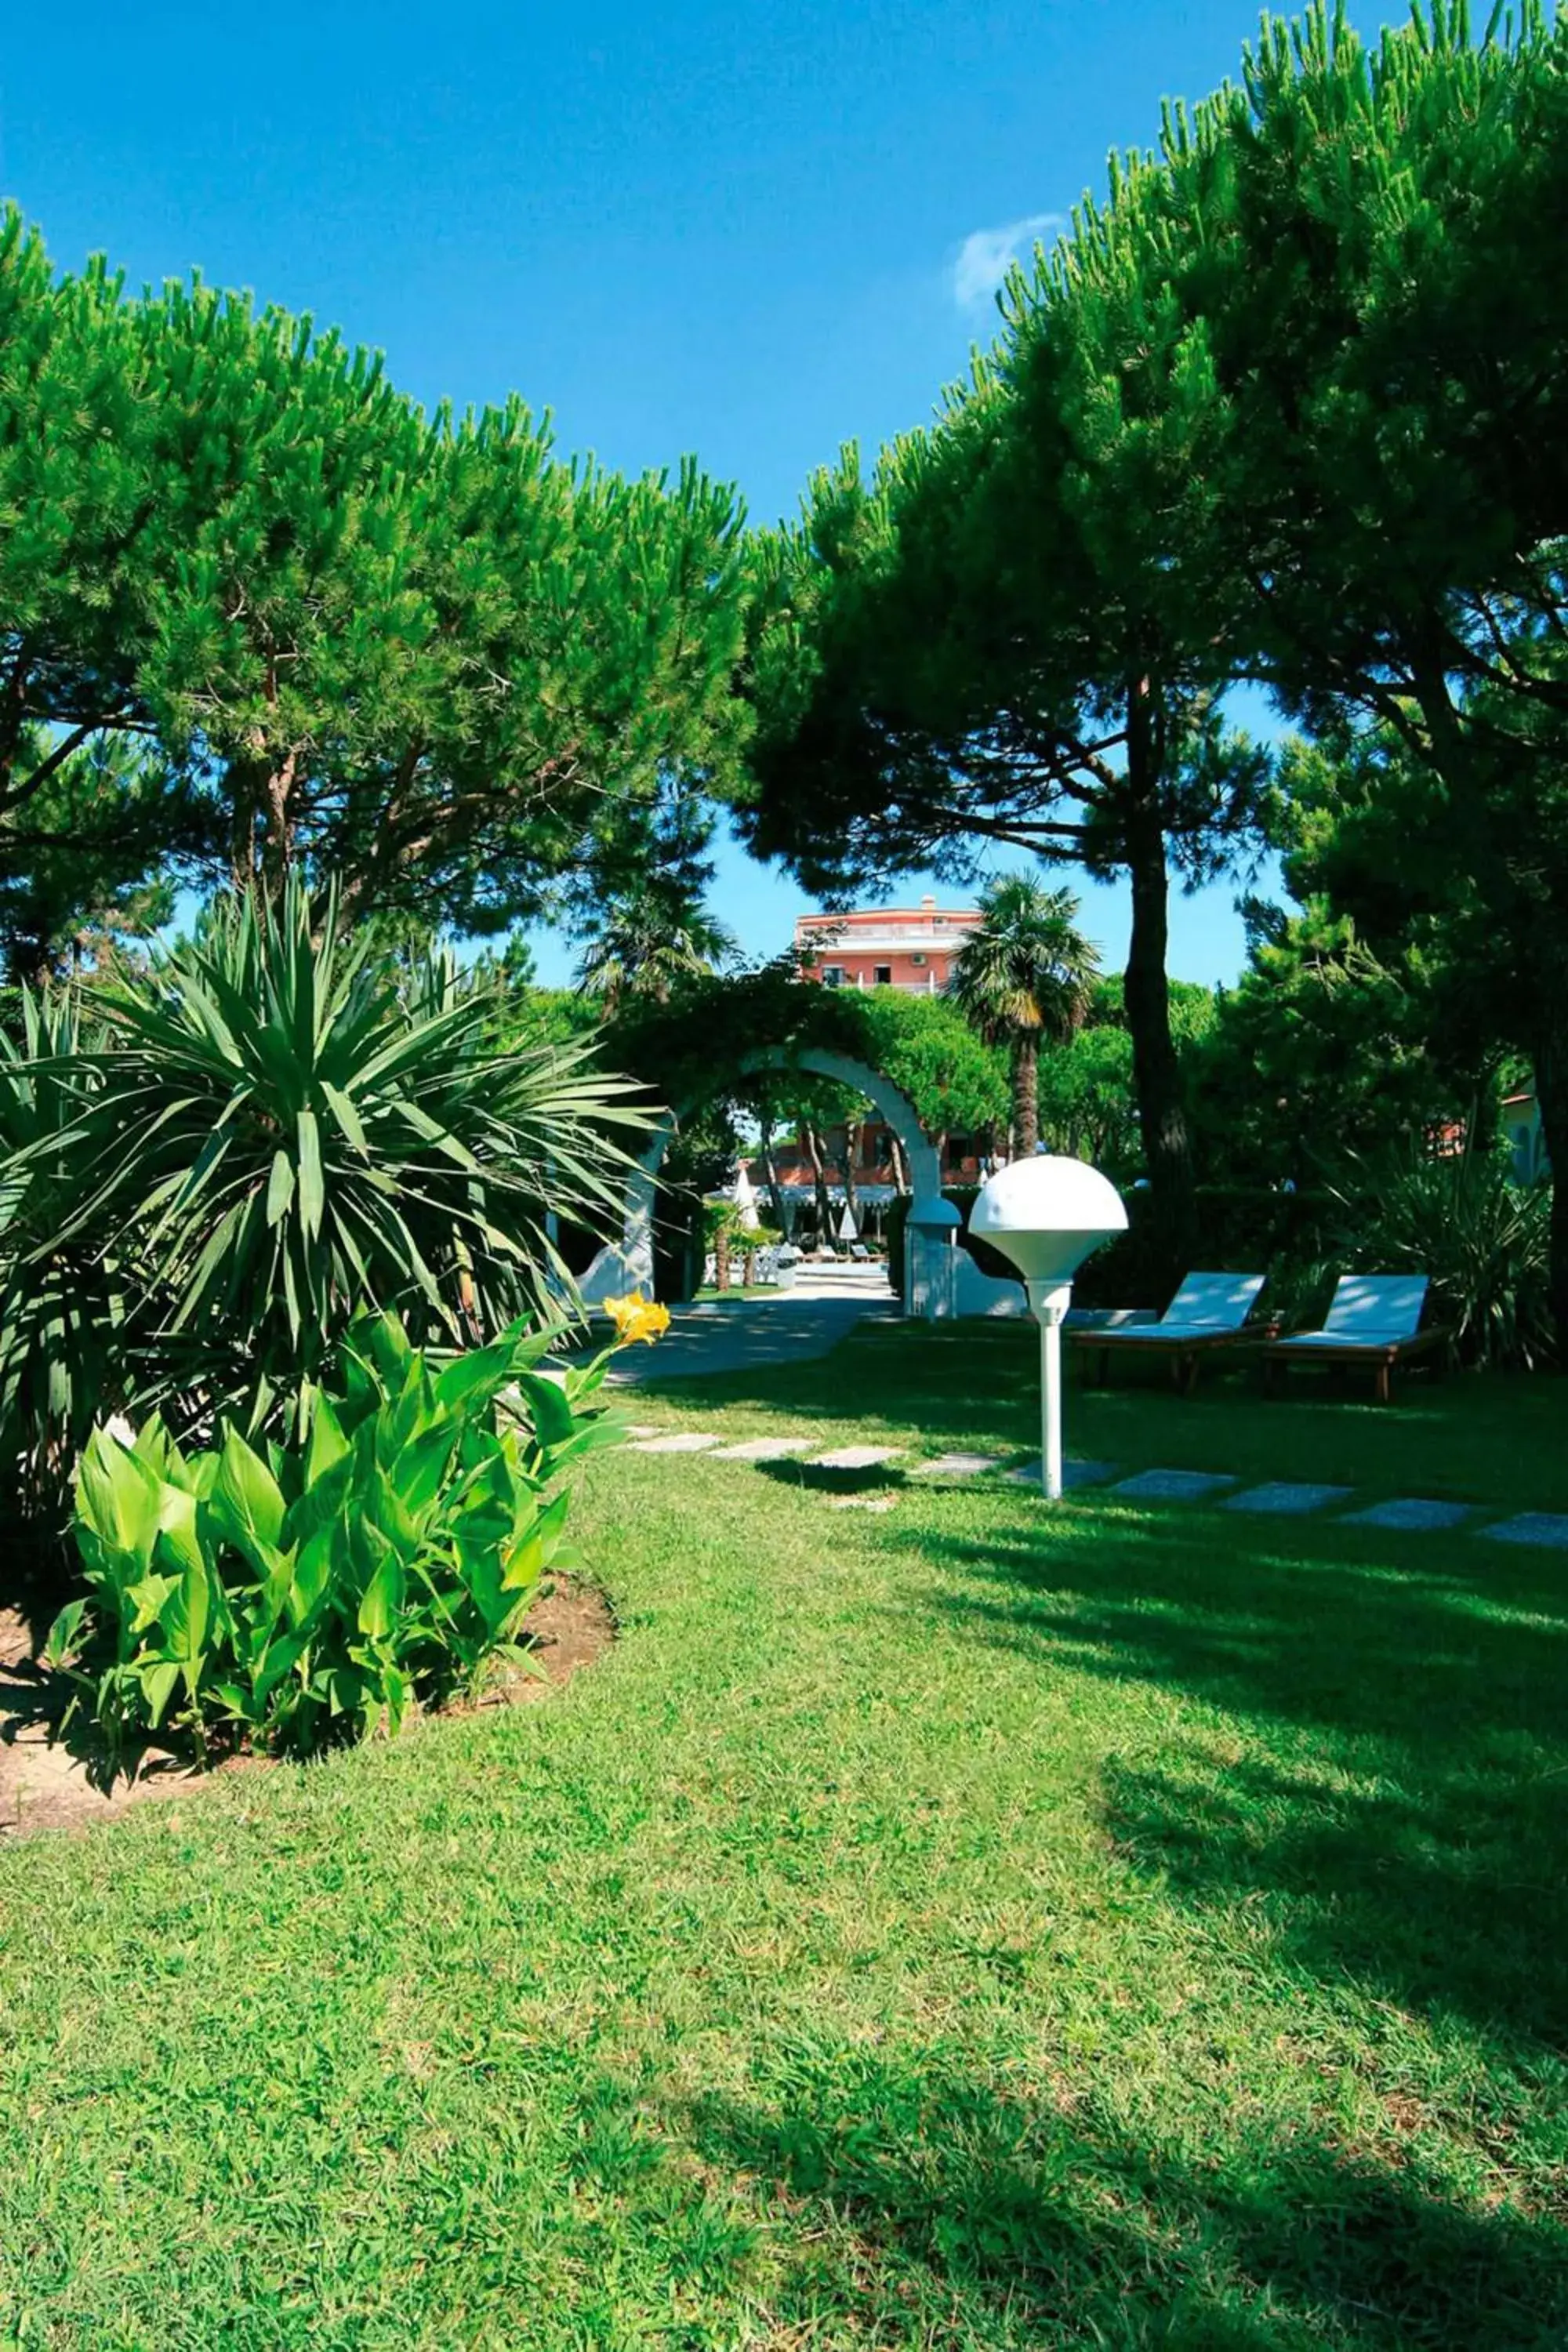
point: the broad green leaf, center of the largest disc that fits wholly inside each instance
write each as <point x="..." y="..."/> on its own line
<point x="184" y="1623"/>
<point x="549" y="1407"/>
<point x="476" y="1377"/>
<point x="159" y="1679"/>
<point x="180" y="1537"/>
<point x="418" y="1469"/>
<point x="276" y="1661"/>
<point x="326" y="1443"/>
<point x="525" y="1560"/>
<point x="120" y="1497"/>
<point x="246" y="1502"/>
<point x="147" y="1600"/>
<point x="383" y="1597"/>
<point x="63" y="1635"/>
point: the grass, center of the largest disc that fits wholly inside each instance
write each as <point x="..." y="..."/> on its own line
<point x="966" y="1926"/>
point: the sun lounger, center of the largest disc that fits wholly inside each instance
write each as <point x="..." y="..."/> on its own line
<point x="1375" y="1319"/>
<point x="1208" y="1312"/>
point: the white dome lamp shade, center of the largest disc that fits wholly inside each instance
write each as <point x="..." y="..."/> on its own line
<point x="1048" y="1215"/>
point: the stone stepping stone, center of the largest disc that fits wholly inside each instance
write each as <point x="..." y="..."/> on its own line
<point x="862" y="1502"/>
<point x="958" y="1465"/>
<point x="765" y="1449"/>
<point x="1172" y="1485"/>
<point x="682" y="1440"/>
<point x="1549" y="1528"/>
<point x="1284" y="1499"/>
<point x="642" y="1429"/>
<point x="1074" y="1475"/>
<point x="854" y="1457"/>
<point x="1412" y="1512"/>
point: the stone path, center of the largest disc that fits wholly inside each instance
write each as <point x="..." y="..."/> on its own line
<point x="1531" y="1528"/>
<point x="1413" y="1513"/>
<point x="765" y="1449"/>
<point x="680" y="1441"/>
<point x="1276" y="1498"/>
<point x="1171" y="1486"/>
<point x="1286" y="1501"/>
<point x="959" y="1465"/>
<point x="1074" y="1475"/>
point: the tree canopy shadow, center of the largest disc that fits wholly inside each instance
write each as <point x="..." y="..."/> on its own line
<point x="1402" y="1794"/>
<point x="956" y="2212"/>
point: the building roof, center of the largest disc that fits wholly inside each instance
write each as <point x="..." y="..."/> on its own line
<point x="923" y="913"/>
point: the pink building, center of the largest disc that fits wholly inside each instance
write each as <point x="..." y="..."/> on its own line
<point x="909" y="948"/>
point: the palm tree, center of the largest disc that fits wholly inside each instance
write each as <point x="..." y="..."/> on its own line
<point x="1023" y="975"/>
<point x="642" y="942"/>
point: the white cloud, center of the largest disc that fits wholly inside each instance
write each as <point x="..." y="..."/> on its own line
<point x="987" y="254"/>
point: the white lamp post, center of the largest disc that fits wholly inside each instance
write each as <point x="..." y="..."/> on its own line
<point x="1047" y="1215"/>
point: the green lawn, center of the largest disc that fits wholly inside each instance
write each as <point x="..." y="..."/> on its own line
<point x="966" y="1925"/>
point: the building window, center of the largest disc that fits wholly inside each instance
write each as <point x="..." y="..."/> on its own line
<point x="832" y="975"/>
<point x="884" y="975"/>
<point x="918" y="961"/>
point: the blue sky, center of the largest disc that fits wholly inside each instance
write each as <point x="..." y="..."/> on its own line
<point x="754" y="232"/>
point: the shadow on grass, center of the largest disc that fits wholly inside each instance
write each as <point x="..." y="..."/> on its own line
<point x="1416" y="1837"/>
<point x="824" y="1478"/>
<point x="947" y="2212"/>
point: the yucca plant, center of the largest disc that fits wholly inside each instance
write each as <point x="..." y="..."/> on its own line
<point x="61" y="1301"/>
<point x="1482" y="1240"/>
<point x="281" y="1131"/>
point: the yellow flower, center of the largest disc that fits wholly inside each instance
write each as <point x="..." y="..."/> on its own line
<point x="637" y="1318"/>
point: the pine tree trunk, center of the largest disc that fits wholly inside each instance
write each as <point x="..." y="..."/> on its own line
<point x="1156" y="1069"/>
<point x="854" y="1134"/>
<point x="813" y="1143"/>
<point x="1551" y="1058"/>
<point x="1027" y="1092"/>
<point x="771" y="1178"/>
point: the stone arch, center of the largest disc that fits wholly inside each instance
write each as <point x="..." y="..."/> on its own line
<point x="627" y="1265"/>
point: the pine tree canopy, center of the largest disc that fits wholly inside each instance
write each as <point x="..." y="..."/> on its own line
<point x="424" y="656"/>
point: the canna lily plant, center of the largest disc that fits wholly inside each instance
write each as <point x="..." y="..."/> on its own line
<point x="310" y="1590"/>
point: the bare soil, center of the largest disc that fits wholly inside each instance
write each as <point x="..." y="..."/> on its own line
<point x="51" y="1785"/>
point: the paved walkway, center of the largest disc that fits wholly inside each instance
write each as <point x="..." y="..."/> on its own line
<point x="744" y="1335"/>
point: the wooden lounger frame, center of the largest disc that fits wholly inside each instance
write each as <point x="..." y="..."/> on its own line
<point x="1185" y="1350"/>
<point x="1383" y="1355"/>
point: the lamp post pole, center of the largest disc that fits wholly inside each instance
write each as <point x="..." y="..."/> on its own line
<point x="1049" y="1305"/>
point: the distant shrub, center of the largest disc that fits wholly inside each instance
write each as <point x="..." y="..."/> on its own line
<point x="1482" y="1240"/>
